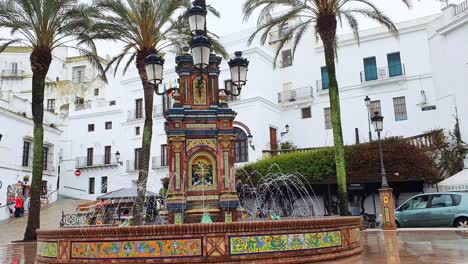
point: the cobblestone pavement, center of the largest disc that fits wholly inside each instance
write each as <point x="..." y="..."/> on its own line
<point x="403" y="247"/>
<point x="13" y="228"/>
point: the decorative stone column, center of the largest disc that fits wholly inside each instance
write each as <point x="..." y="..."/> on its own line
<point x="388" y="209"/>
<point x="176" y="200"/>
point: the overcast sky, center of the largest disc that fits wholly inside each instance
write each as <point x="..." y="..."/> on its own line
<point x="232" y="19"/>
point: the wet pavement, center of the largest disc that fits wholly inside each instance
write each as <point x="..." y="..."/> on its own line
<point x="422" y="246"/>
<point x="13" y="228"/>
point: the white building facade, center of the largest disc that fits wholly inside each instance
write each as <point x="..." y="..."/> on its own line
<point x="415" y="81"/>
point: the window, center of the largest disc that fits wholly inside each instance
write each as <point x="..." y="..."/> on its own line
<point x="103" y="184"/>
<point x="138" y="158"/>
<point x="285" y="30"/>
<point x="441" y="200"/>
<point x="456" y="199"/>
<point x="139" y="108"/>
<point x="96" y="92"/>
<point x="325" y="79"/>
<point x="399" y="106"/>
<point x="164" y="156"/>
<point x="90" y="127"/>
<point x="91" y="184"/>
<point x="137" y="131"/>
<point x="394" y="64"/>
<point x="89" y="157"/>
<point x="327" y="115"/>
<point x="419" y="202"/>
<point x="14" y="68"/>
<point x="306" y="112"/>
<point x="51" y="104"/>
<point x="370" y="69"/>
<point x="107" y="155"/>
<point x="108" y="125"/>
<point x="241" y="149"/>
<point x="26" y="149"/>
<point x="375" y="107"/>
<point x="78" y="74"/>
<point x="113" y="102"/>
<point x="287" y="59"/>
<point x="45" y="153"/>
<point x="229" y="87"/>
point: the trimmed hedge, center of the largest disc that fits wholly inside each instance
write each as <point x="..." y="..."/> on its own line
<point x="403" y="162"/>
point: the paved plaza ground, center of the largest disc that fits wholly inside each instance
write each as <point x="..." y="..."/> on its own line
<point x="408" y="246"/>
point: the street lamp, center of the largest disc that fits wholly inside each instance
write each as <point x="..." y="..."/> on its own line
<point x="154" y="65"/>
<point x="367" y="101"/>
<point x="197" y="17"/>
<point x="286" y="131"/>
<point x="201" y="50"/>
<point x="250" y="140"/>
<point x="377" y="121"/>
<point x="238" y="67"/>
<point x="117" y="156"/>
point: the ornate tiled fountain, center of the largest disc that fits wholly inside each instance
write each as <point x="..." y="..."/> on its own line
<point x="202" y="202"/>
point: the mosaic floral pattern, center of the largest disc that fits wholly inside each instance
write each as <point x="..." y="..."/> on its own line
<point x="242" y="245"/>
<point x="47" y="249"/>
<point x="137" y="249"/>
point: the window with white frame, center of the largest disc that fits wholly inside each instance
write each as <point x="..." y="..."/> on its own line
<point x="375" y="107"/>
<point x="328" y="119"/>
<point x="287" y="58"/>
<point x="50" y="104"/>
<point x="399" y="106"/>
<point x="78" y="74"/>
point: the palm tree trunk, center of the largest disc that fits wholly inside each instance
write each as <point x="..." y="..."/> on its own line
<point x="138" y="208"/>
<point x="40" y="62"/>
<point x="326" y="26"/>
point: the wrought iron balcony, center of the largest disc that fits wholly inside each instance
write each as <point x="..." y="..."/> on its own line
<point x="95" y="161"/>
<point x="159" y="162"/>
<point x="322" y="86"/>
<point x="132" y="166"/>
<point x="135" y="115"/>
<point x="11" y="74"/>
<point x="296" y="95"/>
<point x="383" y="73"/>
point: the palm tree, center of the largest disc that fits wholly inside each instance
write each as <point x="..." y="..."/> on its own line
<point x="145" y="27"/>
<point x="323" y="16"/>
<point x="44" y="25"/>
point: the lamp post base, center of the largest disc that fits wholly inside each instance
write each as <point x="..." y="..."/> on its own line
<point x="387" y="206"/>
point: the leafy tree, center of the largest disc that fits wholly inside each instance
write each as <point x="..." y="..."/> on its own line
<point x="144" y="27"/>
<point x="323" y="16"/>
<point x="44" y="25"/>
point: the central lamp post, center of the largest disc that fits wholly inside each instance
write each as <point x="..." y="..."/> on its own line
<point x="387" y="204"/>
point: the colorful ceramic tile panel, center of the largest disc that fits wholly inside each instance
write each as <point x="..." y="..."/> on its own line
<point x="137" y="249"/>
<point x="47" y="249"/>
<point x="242" y="245"/>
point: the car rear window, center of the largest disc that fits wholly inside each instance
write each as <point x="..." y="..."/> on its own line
<point x="456" y="199"/>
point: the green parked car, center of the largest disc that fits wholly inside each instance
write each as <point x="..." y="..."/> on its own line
<point x="448" y="209"/>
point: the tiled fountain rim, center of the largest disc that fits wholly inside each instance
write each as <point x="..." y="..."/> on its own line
<point x="184" y="229"/>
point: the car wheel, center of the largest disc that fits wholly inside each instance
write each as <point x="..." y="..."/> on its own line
<point x="461" y="222"/>
<point x="397" y="224"/>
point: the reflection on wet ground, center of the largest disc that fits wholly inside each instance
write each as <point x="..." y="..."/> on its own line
<point x="406" y="247"/>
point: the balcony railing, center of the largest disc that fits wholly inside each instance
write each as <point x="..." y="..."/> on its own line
<point x="321" y="86"/>
<point x="462" y="7"/>
<point x="296" y="95"/>
<point x="135" y="115"/>
<point x="83" y="106"/>
<point x="12" y="74"/>
<point x="159" y="162"/>
<point x="132" y="166"/>
<point x="428" y="141"/>
<point x="384" y="73"/>
<point x="95" y="161"/>
<point x="49" y="167"/>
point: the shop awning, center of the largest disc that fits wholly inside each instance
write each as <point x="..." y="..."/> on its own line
<point x="456" y="183"/>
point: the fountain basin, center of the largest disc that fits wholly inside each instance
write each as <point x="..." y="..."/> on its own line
<point x="286" y="241"/>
